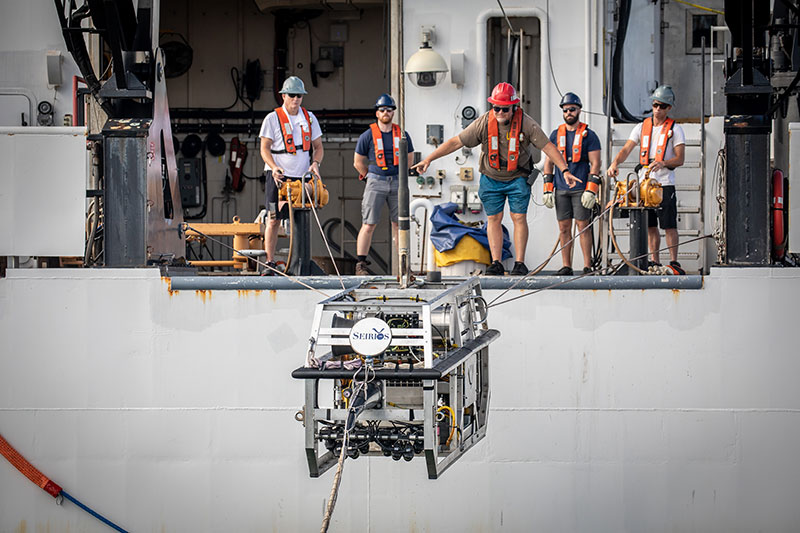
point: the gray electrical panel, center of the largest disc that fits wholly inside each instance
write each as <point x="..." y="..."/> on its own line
<point x="190" y="179"/>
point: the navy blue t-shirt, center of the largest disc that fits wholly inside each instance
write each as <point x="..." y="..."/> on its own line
<point x="579" y="169"/>
<point x="366" y="147"/>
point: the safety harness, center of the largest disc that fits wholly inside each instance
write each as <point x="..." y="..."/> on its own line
<point x="377" y="140"/>
<point x="577" y="142"/>
<point x="663" y="139"/>
<point x="288" y="133"/>
<point x="513" y="141"/>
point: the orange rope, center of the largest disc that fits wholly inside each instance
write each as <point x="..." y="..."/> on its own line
<point x="27" y="469"/>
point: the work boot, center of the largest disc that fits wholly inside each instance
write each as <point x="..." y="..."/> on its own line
<point x="361" y="269"/>
<point x="519" y="269"/>
<point x="269" y="271"/>
<point x="564" y="271"/>
<point x="587" y="270"/>
<point x="676" y="268"/>
<point x="496" y="269"/>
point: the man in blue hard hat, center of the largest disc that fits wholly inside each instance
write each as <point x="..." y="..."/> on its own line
<point x="662" y="145"/>
<point x="289" y="136"/>
<point x="580" y="147"/>
<point x="376" y="159"/>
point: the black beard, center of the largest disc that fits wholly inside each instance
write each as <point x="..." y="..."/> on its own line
<point x="571" y="119"/>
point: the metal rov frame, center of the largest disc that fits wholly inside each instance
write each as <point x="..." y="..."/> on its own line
<point x="436" y="362"/>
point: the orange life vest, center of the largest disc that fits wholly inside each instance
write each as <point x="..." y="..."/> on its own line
<point x="646" y="142"/>
<point x="577" y="142"/>
<point x="513" y="141"/>
<point x="288" y="133"/>
<point x="377" y="140"/>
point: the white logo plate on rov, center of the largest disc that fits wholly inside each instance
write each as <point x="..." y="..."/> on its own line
<point x="370" y="336"/>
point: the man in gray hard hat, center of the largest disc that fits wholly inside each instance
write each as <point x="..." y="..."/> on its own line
<point x="580" y="147"/>
<point x="376" y="159"/>
<point x="662" y="146"/>
<point x="291" y="146"/>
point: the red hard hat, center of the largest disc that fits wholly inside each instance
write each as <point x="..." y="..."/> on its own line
<point x="503" y="94"/>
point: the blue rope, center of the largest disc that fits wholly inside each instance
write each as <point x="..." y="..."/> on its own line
<point x="101" y="518"/>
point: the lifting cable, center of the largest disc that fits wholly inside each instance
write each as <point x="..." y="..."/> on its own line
<point x="611" y="269"/>
<point x="30" y="472"/>
<point x="322" y="232"/>
<point x="556" y="251"/>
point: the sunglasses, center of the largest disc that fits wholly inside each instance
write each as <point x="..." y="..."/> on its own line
<point x="386" y="109"/>
<point x="501" y="109"/>
<point x="659" y="105"/>
<point x="569" y="109"/>
<point x="294" y="95"/>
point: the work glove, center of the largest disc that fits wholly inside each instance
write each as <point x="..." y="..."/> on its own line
<point x="549" y="200"/>
<point x="588" y="199"/>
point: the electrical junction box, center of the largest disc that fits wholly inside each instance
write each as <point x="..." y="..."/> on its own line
<point x="190" y="182"/>
<point x="474" y="201"/>
<point x="434" y="133"/>
<point x="466" y="173"/>
<point x="339" y="33"/>
<point x="458" y="197"/>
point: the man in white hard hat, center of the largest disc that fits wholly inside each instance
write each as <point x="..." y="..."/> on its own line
<point x="580" y="147"/>
<point x="289" y="136"/>
<point x="376" y="159"/>
<point x="504" y="133"/>
<point x="661" y="144"/>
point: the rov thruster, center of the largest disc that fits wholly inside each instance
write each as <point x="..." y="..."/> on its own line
<point x="407" y="370"/>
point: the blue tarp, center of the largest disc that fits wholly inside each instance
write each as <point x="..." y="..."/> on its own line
<point x="447" y="230"/>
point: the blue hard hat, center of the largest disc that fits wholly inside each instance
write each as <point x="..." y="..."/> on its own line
<point x="570" y="98"/>
<point x="385" y="100"/>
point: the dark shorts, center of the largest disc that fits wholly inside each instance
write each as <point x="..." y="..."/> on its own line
<point x="666" y="216"/>
<point x="569" y="206"/>
<point x="271" y="197"/>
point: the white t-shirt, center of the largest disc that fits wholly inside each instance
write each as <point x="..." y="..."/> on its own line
<point x="664" y="176"/>
<point x="293" y="165"/>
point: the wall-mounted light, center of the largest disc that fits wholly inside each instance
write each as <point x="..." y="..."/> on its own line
<point x="426" y="68"/>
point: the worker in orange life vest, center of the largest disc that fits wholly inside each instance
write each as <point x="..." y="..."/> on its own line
<point x="581" y="148"/>
<point x="289" y="136"/>
<point x="504" y="133"/>
<point x="662" y="146"/>
<point x="376" y="158"/>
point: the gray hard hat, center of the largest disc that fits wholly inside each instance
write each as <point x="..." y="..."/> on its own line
<point x="293" y="85"/>
<point x="664" y="94"/>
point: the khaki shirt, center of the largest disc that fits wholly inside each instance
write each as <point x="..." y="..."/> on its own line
<point x="478" y="133"/>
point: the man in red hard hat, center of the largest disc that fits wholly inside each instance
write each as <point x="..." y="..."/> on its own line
<point x="504" y="133"/>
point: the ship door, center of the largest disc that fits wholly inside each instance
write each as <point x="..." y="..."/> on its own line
<point x="514" y="56"/>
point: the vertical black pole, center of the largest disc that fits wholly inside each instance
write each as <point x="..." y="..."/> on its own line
<point x="403" y="220"/>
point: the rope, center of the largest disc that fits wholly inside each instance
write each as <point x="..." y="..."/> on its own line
<point x="186" y="226"/>
<point x="337" y="478"/>
<point x="703" y="8"/>
<point x="30" y="472"/>
<point x="321" y="232"/>
<point x="542" y="265"/>
<point x="611" y="270"/>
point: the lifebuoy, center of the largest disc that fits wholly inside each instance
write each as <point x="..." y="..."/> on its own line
<point x="779" y="215"/>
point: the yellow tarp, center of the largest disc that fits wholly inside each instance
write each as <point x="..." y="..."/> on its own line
<point x="467" y="249"/>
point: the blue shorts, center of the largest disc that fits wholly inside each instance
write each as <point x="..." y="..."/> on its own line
<point x="493" y="195"/>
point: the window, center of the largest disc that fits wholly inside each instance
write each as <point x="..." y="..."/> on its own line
<point x="698" y="25"/>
